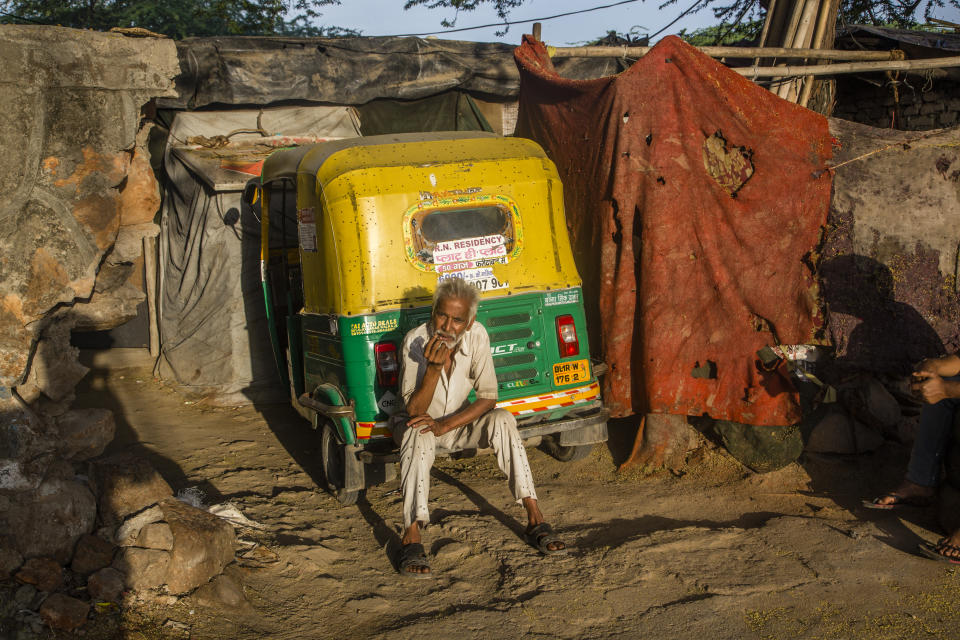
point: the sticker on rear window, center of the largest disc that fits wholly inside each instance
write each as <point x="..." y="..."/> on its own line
<point x="561" y="297"/>
<point x="307" y="229"/>
<point x="465" y="232"/>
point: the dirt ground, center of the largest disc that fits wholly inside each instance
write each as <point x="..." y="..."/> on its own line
<point x="715" y="552"/>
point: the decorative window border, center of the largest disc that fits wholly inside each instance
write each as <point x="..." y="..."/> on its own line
<point x="461" y="202"/>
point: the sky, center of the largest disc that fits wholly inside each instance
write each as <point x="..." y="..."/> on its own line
<point x="387" y="17"/>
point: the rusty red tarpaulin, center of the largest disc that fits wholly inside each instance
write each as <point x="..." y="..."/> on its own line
<point x="694" y="199"/>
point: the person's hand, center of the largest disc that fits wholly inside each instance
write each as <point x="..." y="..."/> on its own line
<point x="929" y="365"/>
<point x="427" y="424"/>
<point x="928" y="386"/>
<point x="436" y="352"/>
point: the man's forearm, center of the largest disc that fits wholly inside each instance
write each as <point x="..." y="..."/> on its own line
<point x="468" y="414"/>
<point x="422" y="396"/>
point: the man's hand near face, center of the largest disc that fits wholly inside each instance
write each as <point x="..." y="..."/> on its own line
<point x="437" y="352"/>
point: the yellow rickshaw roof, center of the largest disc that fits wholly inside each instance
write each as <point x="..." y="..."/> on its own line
<point x="395" y="149"/>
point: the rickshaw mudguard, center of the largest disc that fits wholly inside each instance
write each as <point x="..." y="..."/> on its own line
<point x="346" y="426"/>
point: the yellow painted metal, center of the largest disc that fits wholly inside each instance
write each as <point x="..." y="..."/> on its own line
<point x="360" y="197"/>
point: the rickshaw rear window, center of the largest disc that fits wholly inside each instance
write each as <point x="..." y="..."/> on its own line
<point x="455" y="238"/>
<point x="443" y="226"/>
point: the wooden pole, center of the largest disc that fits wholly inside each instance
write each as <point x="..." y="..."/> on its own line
<point x="766" y="22"/>
<point x="726" y="52"/>
<point x="536" y="31"/>
<point x="801" y="39"/>
<point x="150" y="269"/>
<point x="849" y="67"/>
<point x="828" y="15"/>
<point x="766" y="28"/>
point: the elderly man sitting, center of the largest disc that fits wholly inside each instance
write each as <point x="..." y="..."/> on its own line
<point x="444" y="360"/>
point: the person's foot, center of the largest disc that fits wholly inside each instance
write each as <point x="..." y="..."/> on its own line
<point x="540" y="537"/>
<point x="946" y="550"/>
<point x="413" y="559"/>
<point x="908" y="493"/>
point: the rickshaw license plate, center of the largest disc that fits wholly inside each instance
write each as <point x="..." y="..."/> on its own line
<point x="571" y="372"/>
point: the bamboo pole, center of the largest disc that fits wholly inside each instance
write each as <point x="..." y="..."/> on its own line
<point x="828" y="15"/>
<point x="726" y="52"/>
<point x="768" y="19"/>
<point x="849" y="67"/>
<point x="801" y="39"/>
<point x="150" y="277"/>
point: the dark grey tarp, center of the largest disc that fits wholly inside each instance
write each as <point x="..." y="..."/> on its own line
<point x="450" y="111"/>
<point x="259" y="70"/>
<point x="213" y="332"/>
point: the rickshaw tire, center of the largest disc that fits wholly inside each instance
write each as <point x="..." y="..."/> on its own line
<point x="551" y="444"/>
<point x="334" y="466"/>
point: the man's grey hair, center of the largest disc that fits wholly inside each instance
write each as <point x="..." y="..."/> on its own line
<point x="458" y="288"/>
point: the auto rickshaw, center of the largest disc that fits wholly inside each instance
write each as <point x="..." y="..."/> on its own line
<point x="367" y="228"/>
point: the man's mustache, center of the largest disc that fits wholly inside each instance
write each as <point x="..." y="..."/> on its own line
<point x="448" y="336"/>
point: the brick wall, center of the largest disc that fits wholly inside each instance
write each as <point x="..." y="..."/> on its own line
<point x="916" y="105"/>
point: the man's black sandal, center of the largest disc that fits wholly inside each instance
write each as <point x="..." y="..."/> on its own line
<point x="414" y="555"/>
<point x="935" y="551"/>
<point x="541" y="537"/>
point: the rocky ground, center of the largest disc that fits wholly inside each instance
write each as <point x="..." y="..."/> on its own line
<point x="713" y="552"/>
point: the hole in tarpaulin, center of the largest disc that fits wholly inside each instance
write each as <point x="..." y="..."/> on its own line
<point x="730" y="166"/>
<point x="707" y="370"/>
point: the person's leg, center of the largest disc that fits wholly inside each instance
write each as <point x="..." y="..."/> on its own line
<point x="417" y="452"/>
<point x="930" y="444"/>
<point x="498" y="430"/>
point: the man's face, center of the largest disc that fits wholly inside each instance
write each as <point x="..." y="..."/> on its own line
<point x="451" y="319"/>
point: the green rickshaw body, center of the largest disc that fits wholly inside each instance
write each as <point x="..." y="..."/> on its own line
<point x="381" y="220"/>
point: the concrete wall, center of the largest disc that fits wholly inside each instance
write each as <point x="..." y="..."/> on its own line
<point x="77" y="195"/>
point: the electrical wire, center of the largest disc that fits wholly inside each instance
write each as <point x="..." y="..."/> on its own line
<point x="510" y="22"/>
<point x="675" y="20"/>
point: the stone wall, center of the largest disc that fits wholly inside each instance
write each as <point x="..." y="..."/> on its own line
<point x="918" y="104"/>
<point x="77" y="195"/>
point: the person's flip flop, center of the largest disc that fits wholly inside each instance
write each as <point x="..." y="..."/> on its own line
<point x="897" y="501"/>
<point x="414" y="555"/>
<point x="541" y="537"/>
<point x="932" y="551"/>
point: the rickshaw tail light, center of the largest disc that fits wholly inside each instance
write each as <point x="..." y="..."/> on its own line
<point x="567" y="336"/>
<point x="385" y="356"/>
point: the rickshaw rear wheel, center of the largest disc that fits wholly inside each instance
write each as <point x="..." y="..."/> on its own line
<point x="551" y="444"/>
<point x="334" y="465"/>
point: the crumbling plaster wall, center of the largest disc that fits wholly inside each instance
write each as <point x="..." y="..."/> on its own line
<point x="76" y="197"/>
<point x="891" y="254"/>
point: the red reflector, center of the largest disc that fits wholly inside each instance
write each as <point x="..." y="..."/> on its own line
<point x="567" y="336"/>
<point x="385" y="356"/>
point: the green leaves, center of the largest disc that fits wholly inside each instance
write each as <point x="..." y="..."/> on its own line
<point x="179" y="18"/>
